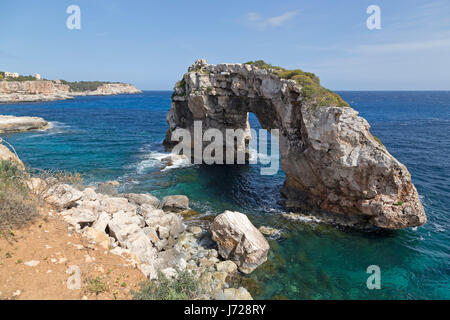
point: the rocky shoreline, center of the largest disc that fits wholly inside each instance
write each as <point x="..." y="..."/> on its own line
<point x="47" y="90"/>
<point x="156" y="235"/>
<point x="153" y="236"/>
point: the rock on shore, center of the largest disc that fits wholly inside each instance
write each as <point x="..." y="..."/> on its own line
<point x="239" y="240"/>
<point x="11" y="124"/>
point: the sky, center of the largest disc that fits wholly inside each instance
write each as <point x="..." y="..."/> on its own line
<point x="152" y="43"/>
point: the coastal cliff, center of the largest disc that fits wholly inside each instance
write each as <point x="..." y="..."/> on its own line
<point x="47" y="90"/>
<point x="333" y="164"/>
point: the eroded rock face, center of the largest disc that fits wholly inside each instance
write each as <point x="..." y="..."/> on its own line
<point x="331" y="160"/>
<point x="239" y="240"/>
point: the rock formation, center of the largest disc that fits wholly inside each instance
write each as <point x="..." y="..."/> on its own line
<point x="7" y="155"/>
<point x="11" y="124"/>
<point x="239" y="240"/>
<point x="47" y="90"/>
<point x="331" y="160"/>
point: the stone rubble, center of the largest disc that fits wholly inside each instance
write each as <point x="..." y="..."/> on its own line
<point x="152" y="236"/>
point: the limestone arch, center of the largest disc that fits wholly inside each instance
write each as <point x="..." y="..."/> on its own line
<point x="331" y="160"/>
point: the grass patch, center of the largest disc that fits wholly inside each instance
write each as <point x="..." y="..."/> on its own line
<point x="312" y="91"/>
<point x="185" y="286"/>
<point x="97" y="285"/>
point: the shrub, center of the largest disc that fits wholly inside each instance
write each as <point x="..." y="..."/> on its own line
<point x="181" y="83"/>
<point x="97" y="285"/>
<point x="185" y="286"/>
<point x="18" y="206"/>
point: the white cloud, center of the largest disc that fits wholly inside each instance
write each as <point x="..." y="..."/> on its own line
<point x="257" y="21"/>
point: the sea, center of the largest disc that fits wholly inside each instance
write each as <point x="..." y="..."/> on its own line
<point x="120" y="138"/>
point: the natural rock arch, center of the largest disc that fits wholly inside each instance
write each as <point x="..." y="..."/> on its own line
<point x="331" y="160"/>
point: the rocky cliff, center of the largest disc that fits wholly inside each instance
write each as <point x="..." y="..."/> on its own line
<point x="7" y="155"/>
<point x="46" y="90"/>
<point x="331" y="160"/>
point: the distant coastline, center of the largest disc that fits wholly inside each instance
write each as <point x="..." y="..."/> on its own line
<point x="52" y="90"/>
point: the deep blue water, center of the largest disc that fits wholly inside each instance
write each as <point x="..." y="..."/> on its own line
<point x="119" y="138"/>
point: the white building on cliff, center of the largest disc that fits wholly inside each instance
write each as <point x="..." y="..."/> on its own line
<point x="11" y="74"/>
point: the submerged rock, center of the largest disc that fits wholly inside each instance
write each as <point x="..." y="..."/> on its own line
<point x="269" y="231"/>
<point x="239" y="240"/>
<point x="233" y="294"/>
<point x="108" y="188"/>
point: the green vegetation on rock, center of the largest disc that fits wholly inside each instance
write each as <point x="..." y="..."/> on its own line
<point x="82" y="86"/>
<point x="181" y="83"/>
<point x="19" y="78"/>
<point x="378" y="140"/>
<point x="310" y="83"/>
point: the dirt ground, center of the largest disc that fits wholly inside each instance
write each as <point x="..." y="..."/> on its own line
<point x="35" y="263"/>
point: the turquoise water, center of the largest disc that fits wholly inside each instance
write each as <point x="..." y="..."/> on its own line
<point x="119" y="138"/>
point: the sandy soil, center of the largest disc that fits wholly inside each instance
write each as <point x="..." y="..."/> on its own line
<point x="50" y="242"/>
